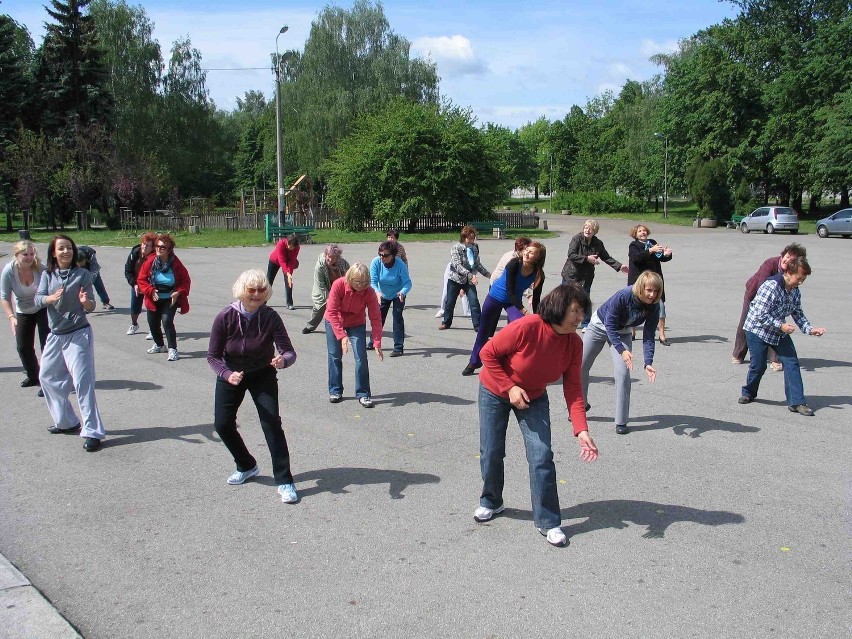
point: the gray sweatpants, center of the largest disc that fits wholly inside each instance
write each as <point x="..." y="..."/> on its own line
<point x="68" y="363"/>
<point x="593" y="342"/>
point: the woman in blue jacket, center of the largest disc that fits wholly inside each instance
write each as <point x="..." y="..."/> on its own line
<point x="389" y="278"/>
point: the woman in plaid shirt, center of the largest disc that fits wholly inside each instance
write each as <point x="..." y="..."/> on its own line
<point x="777" y="298"/>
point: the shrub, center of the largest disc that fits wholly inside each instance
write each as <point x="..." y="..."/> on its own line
<point x="590" y="203"/>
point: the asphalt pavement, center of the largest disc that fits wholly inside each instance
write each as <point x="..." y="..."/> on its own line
<point x="710" y="519"/>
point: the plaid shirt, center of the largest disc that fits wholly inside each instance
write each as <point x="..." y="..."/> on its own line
<point x="771" y="306"/>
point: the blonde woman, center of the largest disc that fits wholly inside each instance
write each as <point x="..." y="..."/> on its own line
<point x="20" y="278"/>
<point x="248" y="345"/>
<point x="350" y="300"/>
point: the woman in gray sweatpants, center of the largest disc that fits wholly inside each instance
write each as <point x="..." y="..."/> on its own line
<point x="612" y="324"/>
<point x="68" y="359"/>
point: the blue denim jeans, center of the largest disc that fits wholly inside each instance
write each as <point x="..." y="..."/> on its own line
<point x="398" y="321"/>
<point x="535" y="427"/>
<point x="793" y="388"/>
<point x="100" y="289"/>
<point x="357" y="339"/>
<point x="469" y="289"/>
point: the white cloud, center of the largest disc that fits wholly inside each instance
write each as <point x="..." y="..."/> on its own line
<point x="454" y="55"/>
<point x="619" y="70"/>
<point x="649" y="47"/>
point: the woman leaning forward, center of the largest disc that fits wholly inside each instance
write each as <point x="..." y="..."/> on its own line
<point x="242" y="352"/>
<point x="519" y="363"/>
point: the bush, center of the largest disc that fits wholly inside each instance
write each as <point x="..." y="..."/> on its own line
<point x="708" y="185"/>
<point x="589" y="203"/>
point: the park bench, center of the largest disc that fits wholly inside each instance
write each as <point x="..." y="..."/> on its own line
<point x="495" y="227"/>
<point x="734" y="222"/>
<point x="274" y="232"/>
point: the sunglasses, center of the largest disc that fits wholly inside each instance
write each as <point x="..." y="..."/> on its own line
<point x="255" y="291"/>
<point x="162" y="246"/>
<point x="385" y="254"/>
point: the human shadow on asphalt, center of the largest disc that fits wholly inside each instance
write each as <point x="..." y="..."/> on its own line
<point x="697" y="339"/>
<point x="438" y="351"/>
<point x="126" y="384"/>
<point x="690" y="425"/>
<point x="814" y="401"/>
<point x="620" y="513"/>
<point x="193" y="335"/>
<point x="811" y="364"/>
<point x="336" y="480"/>
<point x="144" y="434"/>
<point x="416" y="397"/>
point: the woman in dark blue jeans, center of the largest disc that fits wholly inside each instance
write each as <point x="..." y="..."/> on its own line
<point x="518" y="365"/>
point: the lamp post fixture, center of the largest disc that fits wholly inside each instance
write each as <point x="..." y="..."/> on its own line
<point x="665" y="174"/>
<point x="279" y="144"/>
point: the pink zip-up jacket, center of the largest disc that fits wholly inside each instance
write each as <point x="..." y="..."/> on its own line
<point x="347" y="307"/>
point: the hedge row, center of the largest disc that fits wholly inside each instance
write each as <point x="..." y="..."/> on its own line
<point x="589" y="203"/>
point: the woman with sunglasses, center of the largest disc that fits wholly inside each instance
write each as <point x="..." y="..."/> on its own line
<point x="21" y="278"/>
<point x="242" y="352"/>
<point x="389" y="278"/>
<point x="68" y="359"/>
<point x="164" y="282"/>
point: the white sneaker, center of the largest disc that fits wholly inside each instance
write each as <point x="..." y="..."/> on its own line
<point x="483" y="514"/>
<point x="555" y="537"/>
<point x="149" y="336"/>
<point x="288" y="493"/>
<point x="134" y="328"/>
<point x="157" y="349"/>
<point x="240" y="477"/>
<point x="366" y="402"/>
<point x="439" y="313"/>
<point x="173" y="355"/>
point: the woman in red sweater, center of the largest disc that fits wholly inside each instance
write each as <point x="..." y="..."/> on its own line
<point x="350" y="299"/>
<point x="519" y="363"/>
<point x="284" y="257"/>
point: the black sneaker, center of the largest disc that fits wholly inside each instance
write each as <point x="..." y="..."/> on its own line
<point x="747" y="400"/>
<point x="55" y="430"/>
<point x="621" y="429"/>
<point x="307" y="330"/>
<point x="91" y="444"/>
<point x="396" y="353"/>
<point x="470" y="369"/>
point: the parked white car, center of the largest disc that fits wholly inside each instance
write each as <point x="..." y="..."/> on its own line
<point x="770" y="219"/>
<point x="839" y="223"/>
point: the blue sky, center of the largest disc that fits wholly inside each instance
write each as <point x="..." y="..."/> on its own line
<point x="510" y="62"/>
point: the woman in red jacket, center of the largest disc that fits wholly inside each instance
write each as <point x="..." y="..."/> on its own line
<point x="284" y="257"/>
<point x="519" y="363"/>
<point x="164" y="282"/>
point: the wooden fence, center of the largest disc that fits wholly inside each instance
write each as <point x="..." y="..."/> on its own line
<point x="322" y="219"/>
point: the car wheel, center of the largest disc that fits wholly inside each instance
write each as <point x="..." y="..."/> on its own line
<point x="794" y="232"/>
<point x="822" y="231"/>
<point x="769" y="229"/>
<point x="743" y="228"/>
<point x="847" y="236"/>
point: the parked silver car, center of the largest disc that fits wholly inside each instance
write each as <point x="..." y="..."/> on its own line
<point x="770" y="219"/>
<point x="838" y="224"/>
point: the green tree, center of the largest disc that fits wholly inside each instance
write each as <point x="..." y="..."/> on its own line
<point x="353" y="64"/>
<point x="413" y="159"/>
<point x="534" y="138"/>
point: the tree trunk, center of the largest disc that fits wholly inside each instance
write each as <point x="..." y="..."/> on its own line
<point x="536" y="192"/>
<point x="797" y="200"/>
<point x="844" y="197"/>
<point x="657" y="204"/>
<point x="813" y="205"/>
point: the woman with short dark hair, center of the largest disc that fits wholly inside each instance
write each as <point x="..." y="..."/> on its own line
<point x="389" y="278"/>
<point x="613" y="323"/>
<point x="519" y="363"/>
<point x="464" y="265"/>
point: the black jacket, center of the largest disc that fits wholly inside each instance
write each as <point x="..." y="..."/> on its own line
<point x="577" y="267"/>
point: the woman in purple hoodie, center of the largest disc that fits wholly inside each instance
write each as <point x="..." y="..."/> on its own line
<point x="242" y="353"/>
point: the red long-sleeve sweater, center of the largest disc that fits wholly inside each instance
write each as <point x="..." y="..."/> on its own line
<point x="347" y="307"/>
<point x="530" y="354"/>
<point x="284" y="257"/>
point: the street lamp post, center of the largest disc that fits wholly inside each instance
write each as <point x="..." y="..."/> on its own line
<point x="279" y="146"/>
<point x="665" y="175"/>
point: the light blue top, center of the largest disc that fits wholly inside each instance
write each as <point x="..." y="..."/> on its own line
<point x="499" y="289"/>
<point x="10" y="284"/>
<point x="389" y="282"/>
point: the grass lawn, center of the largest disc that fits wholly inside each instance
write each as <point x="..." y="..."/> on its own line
<point x="221" y="238"/>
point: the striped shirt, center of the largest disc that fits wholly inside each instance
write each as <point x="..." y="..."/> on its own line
<point x="771" y="306"/>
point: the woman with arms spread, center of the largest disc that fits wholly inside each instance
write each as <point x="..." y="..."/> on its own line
<point x="613" y="323"/>
<point x="21" y="278"/>
<point x="519" y="363"/>
<point x="242" y="352"/>
<point x="507" y="293"/>
<point x="68" y="359"/>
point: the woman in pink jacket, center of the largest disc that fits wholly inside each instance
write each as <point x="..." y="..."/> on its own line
<point x="284" y="257"/>
<point x="350" y="299"/>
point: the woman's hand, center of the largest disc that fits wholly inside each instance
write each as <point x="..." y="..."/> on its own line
<point x="592" y="259"/>
<point x="155" y="296"/>
<point x="84" y="299"/>
<point x="13" y="324"/>
<point x="289" y="279"/>
<point x="588" y="449"/>
<point x="235" y="378"/>
<point x="380" y="354"/>
<point x="345" y="343"/>
<point x="817" y="332"/>
<point x="624" y="269"/>
<point x="175" y="297"/>
<point x="627" y="356"/>
<point x="652" y="373"/>
<point x="518" y="397"/>
<point x="278" y="361"/>
<point x="57" y="295"/>
<point x="667" y="251"/>
<point x="474" y="280"/>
